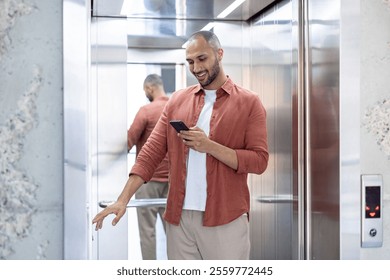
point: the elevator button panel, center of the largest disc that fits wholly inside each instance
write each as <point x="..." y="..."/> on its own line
<point x="371" y="213"/>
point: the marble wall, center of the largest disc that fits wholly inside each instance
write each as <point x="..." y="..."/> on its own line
<point x="375" y="106"/>
<point x="31" y="180"/>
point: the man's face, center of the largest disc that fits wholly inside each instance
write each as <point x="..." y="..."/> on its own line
<point x="203" y="62"/>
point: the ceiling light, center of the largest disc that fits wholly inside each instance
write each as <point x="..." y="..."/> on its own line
<point x="209" y="26"/>
<point x="230" y="9"/>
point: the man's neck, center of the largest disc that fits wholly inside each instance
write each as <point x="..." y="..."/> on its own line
<point x="158" y="95"/>
<point x="218" y="82"/>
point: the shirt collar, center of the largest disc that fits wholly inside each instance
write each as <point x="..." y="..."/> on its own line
<point x="225" y="88"/>
<point x="161" y="98"/>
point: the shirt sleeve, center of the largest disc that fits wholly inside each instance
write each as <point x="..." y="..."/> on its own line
<point x="153" y="152"/>
<point x="254" y="157"/>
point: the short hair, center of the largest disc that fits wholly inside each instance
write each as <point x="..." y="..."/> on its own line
<point x="154" y="80"/>
<point x="209" y="36"/>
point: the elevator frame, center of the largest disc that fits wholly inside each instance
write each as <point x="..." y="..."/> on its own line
<point x="77" y="132"/>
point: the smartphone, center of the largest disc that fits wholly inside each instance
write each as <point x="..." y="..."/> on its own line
<point x="179" y="125"/>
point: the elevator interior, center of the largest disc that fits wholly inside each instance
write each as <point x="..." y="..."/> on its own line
<point x="286" y="51"/>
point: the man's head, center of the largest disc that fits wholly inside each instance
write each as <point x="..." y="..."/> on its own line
<point x="204" y="55"/>
<point x="153" y="86"/>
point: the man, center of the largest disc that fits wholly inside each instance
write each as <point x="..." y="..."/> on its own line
<point x="139" y="131"/>
<point x="208" y="200"/>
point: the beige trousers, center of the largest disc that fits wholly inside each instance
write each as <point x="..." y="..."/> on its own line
<point x="192" y="241"/>
<point x="147" y="217"/>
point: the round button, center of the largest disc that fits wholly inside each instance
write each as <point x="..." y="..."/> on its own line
<point x="373" y="232"/>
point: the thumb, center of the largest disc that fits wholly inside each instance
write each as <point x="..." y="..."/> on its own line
<point x="115" y="221"/>
<point x="117" y="218"/>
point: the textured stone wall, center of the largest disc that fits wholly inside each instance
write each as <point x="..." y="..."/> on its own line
<point x="31" y="129"/>
<point x="377" y="122"/>
<point x="376" y="71"/>
<point x="10" y="12"/>
<point x="375" y="106"/>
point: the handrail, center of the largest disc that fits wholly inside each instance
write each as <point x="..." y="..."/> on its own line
<point x="140" y="202"/>
<point x="276" y="199"/>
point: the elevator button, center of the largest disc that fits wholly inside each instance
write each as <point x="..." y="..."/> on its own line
<point x="371" y="210"/>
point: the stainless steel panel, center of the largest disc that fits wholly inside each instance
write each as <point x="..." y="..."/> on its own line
<point x="299" y="128"/>
<point x="77" y="171"/>
<point x="322" y="141"/>
<point x="273" y="68"/>
<point x="108" y="119"/>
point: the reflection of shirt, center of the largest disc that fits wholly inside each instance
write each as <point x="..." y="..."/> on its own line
<point x="141" y="128"/>
<point x="238" y="121"/>
<point x="196" y="183"/>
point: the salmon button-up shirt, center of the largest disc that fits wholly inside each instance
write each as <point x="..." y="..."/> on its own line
<point x="141" y="128"/>
<point x="238" y="121"/>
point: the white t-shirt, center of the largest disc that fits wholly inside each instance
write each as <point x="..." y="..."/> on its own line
<point x="196" y="184"/>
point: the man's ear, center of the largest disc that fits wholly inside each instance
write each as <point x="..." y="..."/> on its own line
<point x="149" y="88"/>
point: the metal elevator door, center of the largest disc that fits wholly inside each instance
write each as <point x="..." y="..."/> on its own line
<point x="295" y="69"/>
<point x="274" y="61"/>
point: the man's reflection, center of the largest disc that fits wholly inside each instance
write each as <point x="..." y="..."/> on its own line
<point x="138" y="133"/>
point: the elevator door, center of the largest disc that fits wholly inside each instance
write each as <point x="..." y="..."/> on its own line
<point x="295" y="68"/>
<point x="274" y="222"/>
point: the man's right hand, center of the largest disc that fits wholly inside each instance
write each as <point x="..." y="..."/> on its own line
<point x="119" y="209"/>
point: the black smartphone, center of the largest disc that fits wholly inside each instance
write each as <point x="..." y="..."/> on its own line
<point x="179" y="125"/>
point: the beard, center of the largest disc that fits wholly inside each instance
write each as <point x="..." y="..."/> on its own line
<point x="149" y="97"/>
<point x="213" y="73"/>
